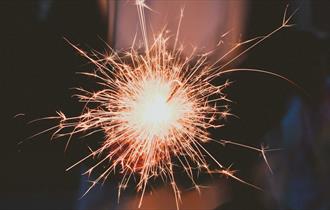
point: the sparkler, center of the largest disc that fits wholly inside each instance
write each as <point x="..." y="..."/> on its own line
<point x="155" y="109"/>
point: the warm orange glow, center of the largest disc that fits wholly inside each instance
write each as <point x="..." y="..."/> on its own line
<point x="154" y="107"/>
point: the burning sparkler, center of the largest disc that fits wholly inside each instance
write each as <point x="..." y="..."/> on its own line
<point x="154" y="107"/>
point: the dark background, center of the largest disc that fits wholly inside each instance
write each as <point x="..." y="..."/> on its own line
<point x="38" y="69"/>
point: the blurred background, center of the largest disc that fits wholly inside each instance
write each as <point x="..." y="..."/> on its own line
<point x="38" y="68"/>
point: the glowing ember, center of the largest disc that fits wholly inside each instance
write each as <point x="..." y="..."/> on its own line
<point x="151" y="114"/>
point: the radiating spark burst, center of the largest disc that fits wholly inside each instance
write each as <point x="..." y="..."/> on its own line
<point x="155" y="109"/>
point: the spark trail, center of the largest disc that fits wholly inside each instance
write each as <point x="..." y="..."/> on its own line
<point x="155" y="110"/>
